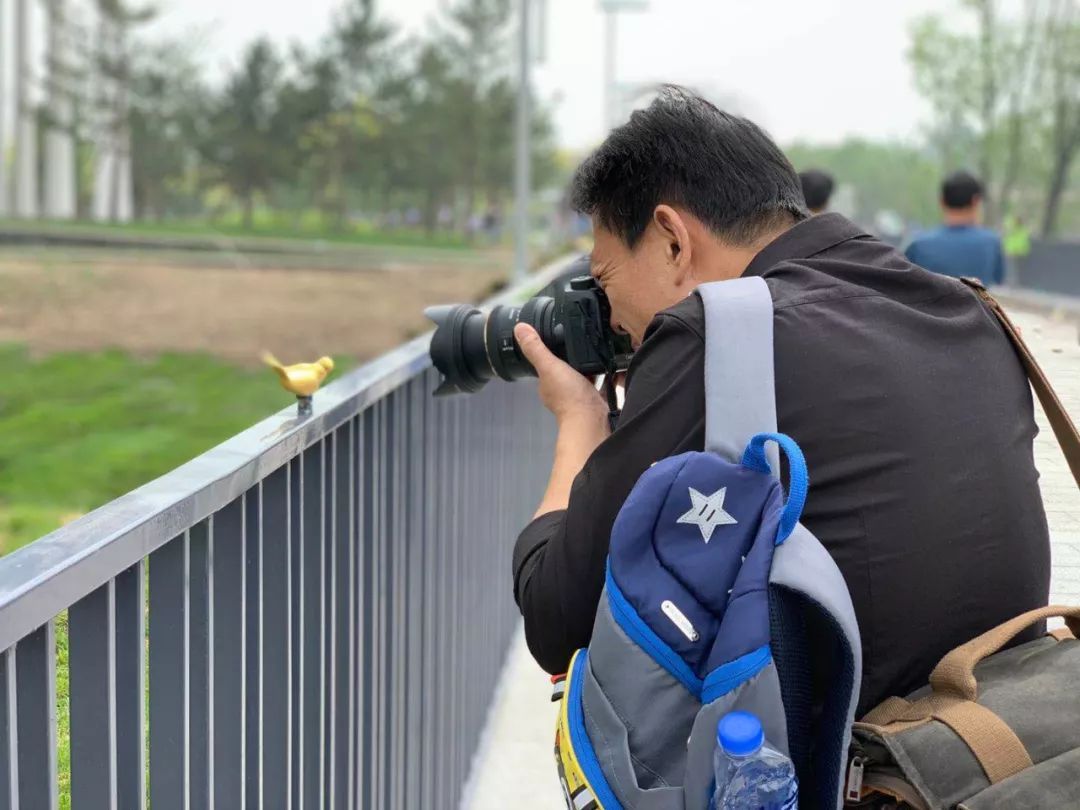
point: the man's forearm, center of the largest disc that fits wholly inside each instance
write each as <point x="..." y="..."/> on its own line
<point x="579" y="435"/>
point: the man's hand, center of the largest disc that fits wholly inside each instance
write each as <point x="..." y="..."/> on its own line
<point x="579" y="409"/>
<point x="564" y="392"/>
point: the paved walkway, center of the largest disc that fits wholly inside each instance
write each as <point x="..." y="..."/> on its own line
<point x="515" y="766"/>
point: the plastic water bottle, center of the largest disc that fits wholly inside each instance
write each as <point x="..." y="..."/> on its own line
<point x="750" y="774"/>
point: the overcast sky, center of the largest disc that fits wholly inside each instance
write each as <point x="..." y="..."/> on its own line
<point x="818" y="70"/>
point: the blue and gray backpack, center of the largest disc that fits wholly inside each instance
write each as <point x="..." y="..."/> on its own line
<point x="711" y="585"/>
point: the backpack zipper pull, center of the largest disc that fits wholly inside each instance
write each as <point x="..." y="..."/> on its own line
<point x="853" y="791"/>
<point x="678" y="618"/>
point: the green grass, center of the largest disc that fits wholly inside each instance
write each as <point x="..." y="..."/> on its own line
<point x="77" y="430"/>
<point x="266" y="225"/>
<point x="63" y="713"/>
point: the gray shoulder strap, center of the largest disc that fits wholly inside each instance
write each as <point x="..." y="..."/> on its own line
<point x="740" y="400"/>
<point x="740" y="397"/>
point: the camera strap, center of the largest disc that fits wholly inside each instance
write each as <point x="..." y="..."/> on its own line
<point x="612" y="399"/>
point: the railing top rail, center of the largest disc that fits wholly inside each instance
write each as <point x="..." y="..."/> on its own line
<point x="47" y="576"/>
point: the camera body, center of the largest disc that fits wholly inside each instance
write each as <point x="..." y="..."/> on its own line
<point x="583" y="313"/>
<point x="470" y="347"/>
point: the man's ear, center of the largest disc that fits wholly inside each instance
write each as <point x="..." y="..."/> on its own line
<point x="672" y="229"/>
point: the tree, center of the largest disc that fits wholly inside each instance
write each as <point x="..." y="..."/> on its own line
<point x="473" y="40"/>
<point x="359" y="40"/>
<point x="425" y="149"/>
<point x="1061" y="86"/>
<point x="332" y="146"/>
<point x="325" y="117"/>
<point x="169" y="104"/>
<point x="310" y="96"/>
<point x="243" y="145"/>
<point x="1005" y="98"/>
<point x="496" y="142"/>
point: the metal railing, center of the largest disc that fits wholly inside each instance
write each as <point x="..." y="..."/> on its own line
<point x="1053" y="266"/>
<point x="311" y="615"/>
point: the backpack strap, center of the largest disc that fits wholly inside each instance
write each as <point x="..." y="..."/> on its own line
<point x="806" y="587"/>
<point x="740" y="398"/>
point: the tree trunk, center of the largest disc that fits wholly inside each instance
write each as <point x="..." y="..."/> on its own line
<point x="989" y="103"/>
<point x="341" y="210"/>
<point x="431" y="209"/>
<point x="1056" y="188"/>
<point x="1020" y="82"/>
<point x="119" y="115"/>
<point x="249" y="209"/>
<point x="1012" y="163"/>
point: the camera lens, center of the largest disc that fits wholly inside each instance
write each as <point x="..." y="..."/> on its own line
<point x="470" y="347"/>
<point x="506" y="358"/>
<point x="457" y="348"/>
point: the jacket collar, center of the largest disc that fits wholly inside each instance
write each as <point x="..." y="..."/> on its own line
<point x="806" y="239"/>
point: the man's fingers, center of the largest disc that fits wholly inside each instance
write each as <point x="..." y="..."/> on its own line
<point x="532" y="347"/>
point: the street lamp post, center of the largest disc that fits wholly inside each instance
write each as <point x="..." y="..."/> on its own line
<point x="522" y="181"/>
<point x="4" y="191"/>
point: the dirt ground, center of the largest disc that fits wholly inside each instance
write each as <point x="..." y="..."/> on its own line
<point x="233" y="313"/>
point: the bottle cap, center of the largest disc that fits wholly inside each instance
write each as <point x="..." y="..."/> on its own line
<point x="739" y="734"/>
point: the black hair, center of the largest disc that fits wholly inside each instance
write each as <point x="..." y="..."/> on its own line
<point x="960" y="190"/>
<point x="817" y="187"/>
<point x="681" y="150"/>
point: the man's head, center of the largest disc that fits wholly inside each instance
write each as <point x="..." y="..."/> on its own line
<point x="817" y="187"/>
<point x="961" y="198"/>
<point x="681" y="194"/>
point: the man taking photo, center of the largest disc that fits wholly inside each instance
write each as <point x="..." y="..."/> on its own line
<point x="911" y="407"/>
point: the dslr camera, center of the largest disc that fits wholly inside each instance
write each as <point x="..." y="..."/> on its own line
<point x="471" y="347"/>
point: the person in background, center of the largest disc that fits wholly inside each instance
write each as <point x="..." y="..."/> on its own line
<point x="817" y="187"/>
<point x="1017" y="245"/>
<point x="961" y="246"/>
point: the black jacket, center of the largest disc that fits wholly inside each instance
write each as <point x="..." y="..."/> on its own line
<point x="916" y="420"/>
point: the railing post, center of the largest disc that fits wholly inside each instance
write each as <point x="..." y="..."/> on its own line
<point x="93" y="695"/>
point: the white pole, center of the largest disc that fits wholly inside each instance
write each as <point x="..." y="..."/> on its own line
<point x="59" y="147"/>
<point x="522" y="151"/>
<point x="4" y="185"/>
<point x="26" y="191"/>
<point x="609" y="69"/>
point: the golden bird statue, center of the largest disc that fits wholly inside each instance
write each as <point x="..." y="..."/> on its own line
<point x="301" y="379"/>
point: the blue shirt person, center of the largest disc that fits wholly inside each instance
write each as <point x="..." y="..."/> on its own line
<point x="960" y="247"/>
